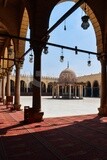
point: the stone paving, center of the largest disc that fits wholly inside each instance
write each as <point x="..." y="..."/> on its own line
<point x="81" y="137"/>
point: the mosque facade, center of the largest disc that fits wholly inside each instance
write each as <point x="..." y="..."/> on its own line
<point x="78" y="86"/>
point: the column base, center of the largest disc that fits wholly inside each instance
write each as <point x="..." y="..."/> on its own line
<point x="31" y="116"/>
<point x="16" y="107"/>
<point x="102" y="111"/>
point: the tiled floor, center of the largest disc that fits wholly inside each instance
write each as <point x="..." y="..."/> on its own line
<point x="64" y="138"/>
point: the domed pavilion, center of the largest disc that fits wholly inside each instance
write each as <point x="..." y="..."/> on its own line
<point x="67" y="86"/>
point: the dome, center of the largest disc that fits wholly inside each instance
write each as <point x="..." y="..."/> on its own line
<point x="67" y="76"/>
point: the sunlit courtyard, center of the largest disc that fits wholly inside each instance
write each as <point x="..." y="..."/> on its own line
<point x="57" y="108"/>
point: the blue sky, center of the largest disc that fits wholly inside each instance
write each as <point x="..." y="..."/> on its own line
<point x="73" y="36"/>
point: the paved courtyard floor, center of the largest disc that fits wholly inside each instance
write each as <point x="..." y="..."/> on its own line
<point x="80" y="137"/>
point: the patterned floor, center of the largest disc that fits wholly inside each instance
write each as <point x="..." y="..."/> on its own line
<point x="64" y="138"/>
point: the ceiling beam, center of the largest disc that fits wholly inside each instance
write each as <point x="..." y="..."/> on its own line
<point x="51" y="44"/>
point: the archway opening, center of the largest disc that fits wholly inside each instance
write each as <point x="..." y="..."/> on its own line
<point x="96" y="89"/>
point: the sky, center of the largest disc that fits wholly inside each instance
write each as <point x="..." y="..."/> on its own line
<point x="73" y="36"/>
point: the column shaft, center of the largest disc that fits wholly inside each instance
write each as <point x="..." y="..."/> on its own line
<point x="8" y="84"/>
<point x="69" y="91"/>
<point x="103" y="102"/>
<point x="3" y="88"/>
<point x="0" y="87"/>
<point x="81" y="92"/>
<point x="53" y="91"/>
<point x="17" y="88"/>
<point x="36" y="105"/>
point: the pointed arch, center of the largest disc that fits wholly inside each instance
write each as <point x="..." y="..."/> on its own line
<point x="23" y="32"/>
<point x="94" y="21"/>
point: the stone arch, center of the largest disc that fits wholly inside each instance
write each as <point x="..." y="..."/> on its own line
<point x="94" y="21"/>
<point x="96" y="26"/>
<point x="23" y="32"/>
<point x="23" y="87"/>
<point x="9" y="28"/>
<point x="5" y="30"/>
<point x="95" y="89"/>
<point x="88" y="89"/>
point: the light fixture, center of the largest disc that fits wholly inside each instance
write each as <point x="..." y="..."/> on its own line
<point x="65" y="28"/>
<point x="31" y="57"/>
<point x="45" y="50"/>
<point x="89" y="61"/>
<point x="85" y="24"/>
<point x="62" y="57"/>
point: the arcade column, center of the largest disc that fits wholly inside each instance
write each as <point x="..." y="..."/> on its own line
<point x="3" y="88"/>
<point x="103" y="102"/>
<point x="53" y="90"/>
<point x="80" y="92"/>
<point x="0" y="86"/>
<point x="17" y="104"/>
<point x="8" y="84"/>
<point x="69" y="91"/>
<point x="57" y="91"/>
<point x="34" y="114"/>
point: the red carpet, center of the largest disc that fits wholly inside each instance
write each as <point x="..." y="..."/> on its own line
<point x="65" y="138"/>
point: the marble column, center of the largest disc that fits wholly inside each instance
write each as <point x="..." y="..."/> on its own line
<point x="8" y="84"/>
<point x="3" y="88"/>
<point x="84" y="91"/>
<point x="46" y="87"/>
<point x="103" y="102"/>
<point x="0" y="87"/>
<point x="69" y="91"/>
<point x="80" y="92"/>
<point x="65" y="89"/>
<point x="53" y="91"/>
<point x="57" y="94"/>
<point x="17" y="104"/>
<point x="36" y="113"/>
<point x="91" y="91"/>
<point x="75" y="91"/>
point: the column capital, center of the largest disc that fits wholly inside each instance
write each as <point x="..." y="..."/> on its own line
<point x="9" y="70"/>
<point x="19" y="62"/>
